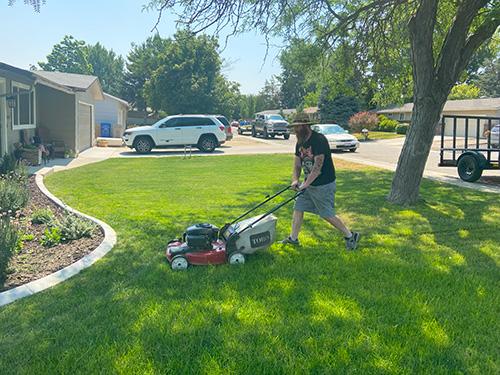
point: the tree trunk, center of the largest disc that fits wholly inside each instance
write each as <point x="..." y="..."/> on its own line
<point x="413" y="157"/>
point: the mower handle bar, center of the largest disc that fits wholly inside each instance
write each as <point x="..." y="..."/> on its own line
<point x="276" y="208"/>
<point x="268" y="198"/>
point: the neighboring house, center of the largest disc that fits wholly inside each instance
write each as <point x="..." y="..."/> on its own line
<point x="470" y="107"/>
<point x="284" y="112"/>
<point x="57" y="106"/>
<point x="141" y="118"/>
<point x="110" y="116"/>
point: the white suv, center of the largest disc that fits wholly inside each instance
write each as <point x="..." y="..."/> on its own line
<point x="203" y="131"/>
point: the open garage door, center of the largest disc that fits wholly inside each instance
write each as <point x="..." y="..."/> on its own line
<point x="84" y="126"/>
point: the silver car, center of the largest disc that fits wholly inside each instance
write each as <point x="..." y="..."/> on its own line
<point x="338" y="138"/>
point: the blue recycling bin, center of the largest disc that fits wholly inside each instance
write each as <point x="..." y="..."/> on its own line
<point x="105" y="130"/>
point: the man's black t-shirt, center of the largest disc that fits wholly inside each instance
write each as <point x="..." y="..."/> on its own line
<point x="317" y="144"/>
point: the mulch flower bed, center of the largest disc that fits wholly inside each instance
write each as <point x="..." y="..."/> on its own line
<point x="34" y="260"/>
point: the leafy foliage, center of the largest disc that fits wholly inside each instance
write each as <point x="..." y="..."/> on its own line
<point x="363" y="120"/>
<point x="489" y="79"/>
<point x="386" y="124"/>
<point x="51" y="237"/>
<point x="42" y="216"/>
<point x="402" y="128"/>
<point x="108" y="67"/>
<point x="13" y="196"/>
<point x="464" y="91"/>
<point x="337" y="110"/>
<point x="8" y="244"/>
<point x="68" y="56"/>
<point x="72" y="227"/>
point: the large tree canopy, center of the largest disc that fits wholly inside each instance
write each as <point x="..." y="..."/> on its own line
<point x="440" y="36"/>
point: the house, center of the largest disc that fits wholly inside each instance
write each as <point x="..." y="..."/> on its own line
<point x="67" y="116"/>
<point x="110" y="116"/>
<point x="469" y="107"/>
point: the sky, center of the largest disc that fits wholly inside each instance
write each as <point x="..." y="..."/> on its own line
<point x="28" y="37"/>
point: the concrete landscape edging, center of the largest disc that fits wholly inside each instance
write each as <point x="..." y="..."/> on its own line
<point x="55" y="278"/>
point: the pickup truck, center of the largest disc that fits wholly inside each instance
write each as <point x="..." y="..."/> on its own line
<point x="270" y="125"/>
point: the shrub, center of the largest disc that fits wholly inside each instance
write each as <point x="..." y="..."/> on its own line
<point x="51" y="237"/>
<point x="363" y="120"/>
<point x="13" y="196"/>
<point x="402" y="128"/>
<point x="386" y="124"/>
<point x="42" y="216"/>
<point x="73" y="227"/>
<point x="8" y="244"/>
<point x="8" y="164"/>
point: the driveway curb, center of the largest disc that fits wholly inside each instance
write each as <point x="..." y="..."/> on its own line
<point x="55" y="278"/>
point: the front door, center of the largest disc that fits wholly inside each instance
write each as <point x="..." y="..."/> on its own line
<point x="3" y="119"/>
<point x="167" y="133"/>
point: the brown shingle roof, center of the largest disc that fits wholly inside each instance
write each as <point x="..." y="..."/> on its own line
<point x="454" y="105"/>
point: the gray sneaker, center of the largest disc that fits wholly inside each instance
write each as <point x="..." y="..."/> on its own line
<point x="351" y="243"/>
<point x="289" y="240"/>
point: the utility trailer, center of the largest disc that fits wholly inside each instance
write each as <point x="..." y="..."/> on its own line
<point x="470" y="143"/>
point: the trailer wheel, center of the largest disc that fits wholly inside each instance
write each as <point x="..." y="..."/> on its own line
<point x="179" y="263"/>
<point x="469" y="168"/>
<point x="236" y="258"/>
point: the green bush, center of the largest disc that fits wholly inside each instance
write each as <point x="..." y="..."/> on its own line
<point x="74" y="227"/>
<point x="13" y="196"/>
<point x="8" y="164"/>
<point x="8" y="243"/>
<point x="51" y="237"/>
<point x="386" y="124"/>
<point x="42" y="216"/>
<point x="402" y="128"/>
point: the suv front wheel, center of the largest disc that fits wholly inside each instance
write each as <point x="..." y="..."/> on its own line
<point x="207" y="143"/>
<point x="143" y="145"/>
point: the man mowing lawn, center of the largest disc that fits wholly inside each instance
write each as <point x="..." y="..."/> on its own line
<point x="313" y="155"/>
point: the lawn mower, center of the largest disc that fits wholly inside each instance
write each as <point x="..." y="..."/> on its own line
<point x="204" y="244"/>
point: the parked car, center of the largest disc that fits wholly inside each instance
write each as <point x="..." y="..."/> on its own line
<point x="245" y="126"/>
<point x="205" y="132"/>
<point x="270" y="125"/>
<point x="495" y="136"/>
<point x="338" y="138"/>
<point x="227" y="127"/>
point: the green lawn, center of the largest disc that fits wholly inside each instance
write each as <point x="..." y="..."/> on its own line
<point x="373" y="135"/>
<point x="421" y="295"/>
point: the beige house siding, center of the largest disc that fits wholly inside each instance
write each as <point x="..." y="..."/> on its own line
<point x="10" y="136"/>
<point x="56" y="116"/>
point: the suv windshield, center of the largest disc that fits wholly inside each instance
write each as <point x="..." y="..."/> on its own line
<point x="275" y="117"/>
<point x="329" y="129"/>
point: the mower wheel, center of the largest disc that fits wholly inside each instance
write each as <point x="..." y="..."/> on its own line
<point x="179" y="263"/>
<point x="236" y="258"/>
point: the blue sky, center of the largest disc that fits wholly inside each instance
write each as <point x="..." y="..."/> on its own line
<point x="28" y="37"/>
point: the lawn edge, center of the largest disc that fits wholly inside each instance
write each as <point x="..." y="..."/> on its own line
<point x="57" y="277"/>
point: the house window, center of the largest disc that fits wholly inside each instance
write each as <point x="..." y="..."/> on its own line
<point x="23" y="115"/>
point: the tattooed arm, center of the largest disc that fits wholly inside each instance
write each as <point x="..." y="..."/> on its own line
<point x="315" y="172"/>
<point x="297" y="165"/>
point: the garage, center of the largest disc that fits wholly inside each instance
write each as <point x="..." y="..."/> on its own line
<point x="84" y="126"/>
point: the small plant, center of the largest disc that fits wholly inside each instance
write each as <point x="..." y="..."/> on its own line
<point x="402" y="128"/>
<point x="363" y="120"/>
<point x="386" y="124"/>
<point x="13" y="196"/>
<point x="73" y="227"/>
<point x="42" y="216"/>
<point x="8" y="244"/>
<point x="8" y="164"/>
<point x="51" y="237"/>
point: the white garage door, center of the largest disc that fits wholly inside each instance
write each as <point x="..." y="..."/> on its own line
<point x="84" y="126"/>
